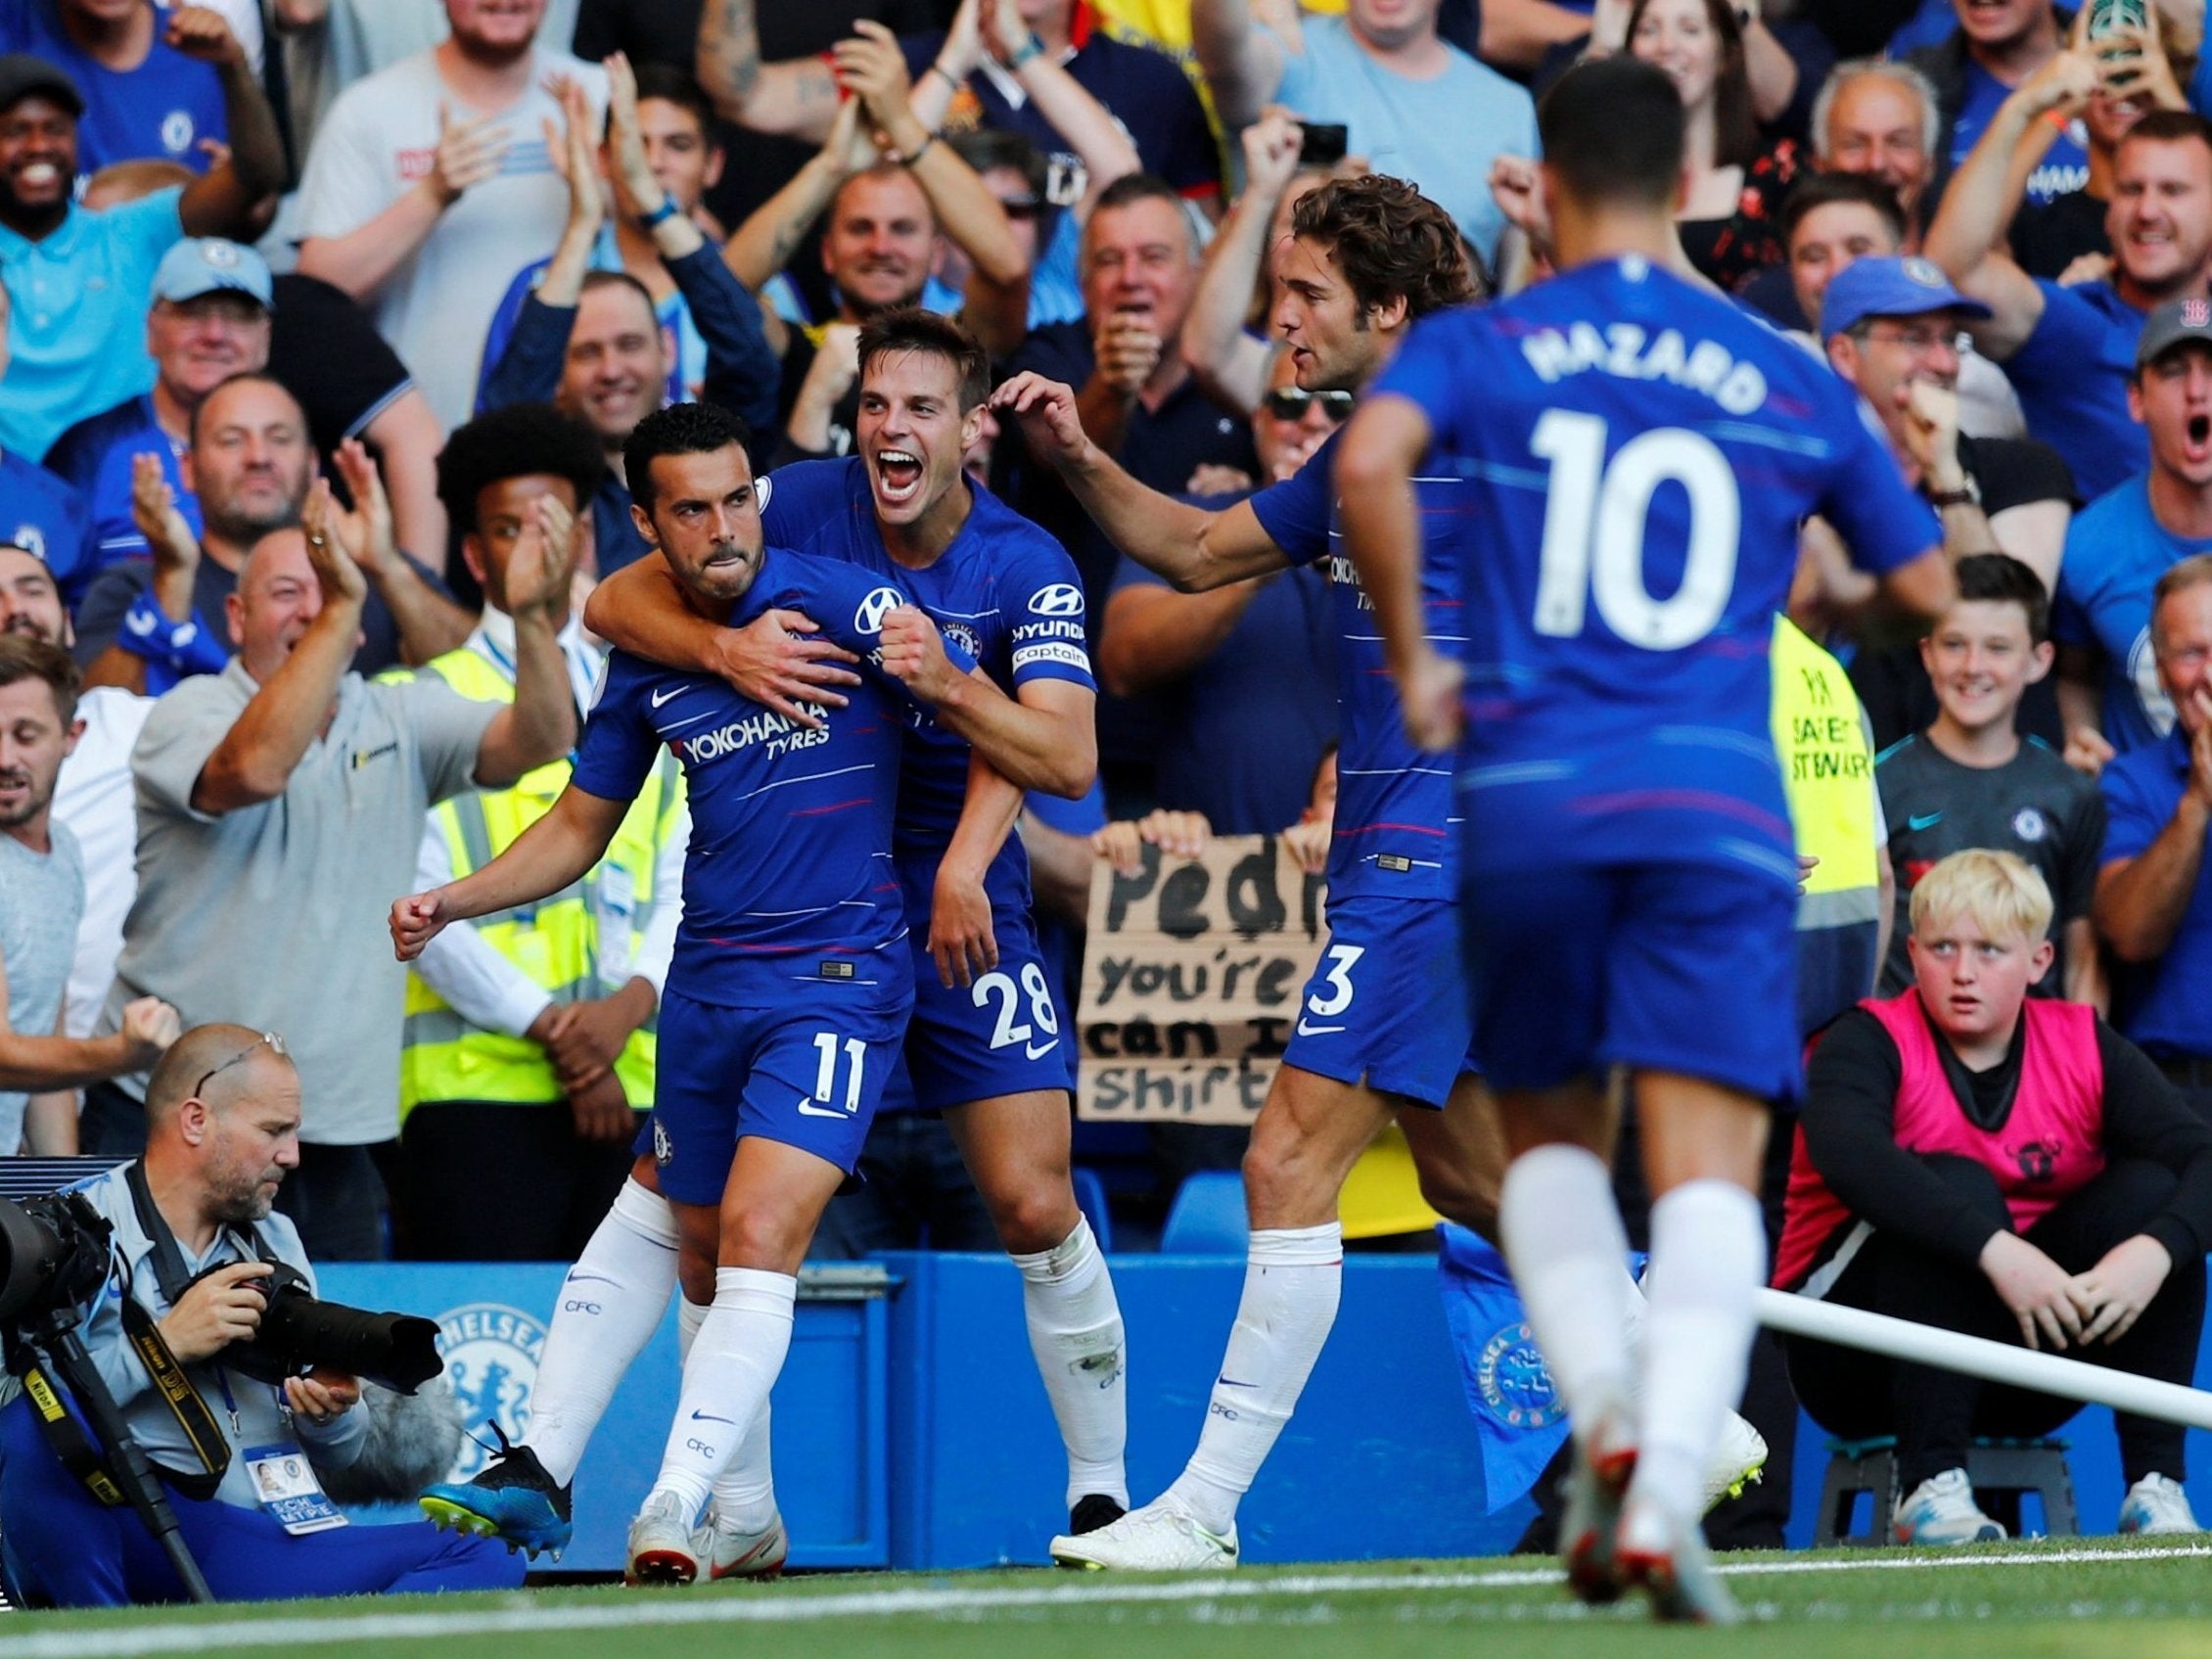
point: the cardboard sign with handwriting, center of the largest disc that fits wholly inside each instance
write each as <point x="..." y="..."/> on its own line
<point x="1191" y="981"/>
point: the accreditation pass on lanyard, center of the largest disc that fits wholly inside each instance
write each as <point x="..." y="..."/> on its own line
<point x="285" y="1484"/>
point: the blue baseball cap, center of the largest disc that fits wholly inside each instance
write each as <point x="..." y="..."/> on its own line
<point x="1888" y="286"/>
<point x="208" y="264"/>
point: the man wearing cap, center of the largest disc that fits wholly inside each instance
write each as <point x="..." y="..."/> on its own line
<point x="210" y="320"/>
<point x="81" y="280"/>
<point x="2110" y="686"/>
<point x="1892" y="327"/>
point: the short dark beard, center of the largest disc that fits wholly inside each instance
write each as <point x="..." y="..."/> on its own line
<point x="243" y="530"/>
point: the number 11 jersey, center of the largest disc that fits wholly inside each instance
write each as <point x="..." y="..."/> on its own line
<point x="1639" y="455"/>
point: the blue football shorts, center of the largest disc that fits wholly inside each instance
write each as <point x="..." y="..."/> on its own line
<point x="1386" y="1005"/>
<point x="805" y="1075"/>
<point x="1662" y="966"/>
<point x="1002" y="1035"/>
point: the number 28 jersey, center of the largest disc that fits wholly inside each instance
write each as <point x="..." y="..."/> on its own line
<point x="1639" y="455"/>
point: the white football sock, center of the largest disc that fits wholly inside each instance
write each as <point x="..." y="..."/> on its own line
<point x="1292" y="1277"/>
<point x="734" y="1362"/>
<point x="745" y="1491"/>
<point x="1708" y="1256"/>
<point x="1564" y="1242"/>
<point x="1075" y="1326"/>
<point x="610" y="1306"/>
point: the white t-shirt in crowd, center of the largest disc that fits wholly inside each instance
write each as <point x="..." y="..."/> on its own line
<point x="95" y="798"/>
<point x="378" y="142"/>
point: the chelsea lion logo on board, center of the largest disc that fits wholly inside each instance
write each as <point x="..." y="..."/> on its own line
<point x="1515" y="1382"/>
<point x="491" y="1353"/>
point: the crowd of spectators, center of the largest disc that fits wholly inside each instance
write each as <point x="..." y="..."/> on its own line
<point x="326" y="322"/>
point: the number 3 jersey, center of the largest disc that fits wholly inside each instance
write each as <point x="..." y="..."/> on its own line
<point x="788" y="878"/>
<point x="1634" y="458"/>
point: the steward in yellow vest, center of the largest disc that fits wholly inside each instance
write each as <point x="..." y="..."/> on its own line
<point x="1826" y="754"/>
<point x="529" y="1041"/>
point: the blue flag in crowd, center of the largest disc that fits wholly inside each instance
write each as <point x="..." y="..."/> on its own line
<point x="1518" y="1413"/>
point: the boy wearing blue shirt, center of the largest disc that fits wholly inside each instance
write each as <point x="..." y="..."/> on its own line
<point x="792" y="980"/>
<point x="1635" y="457"/>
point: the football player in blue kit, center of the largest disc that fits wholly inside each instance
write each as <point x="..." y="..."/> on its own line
<point x="1634" y="457"/>
<point x="792" y="980"/>
<point x="1383" y="1028"/>
<point x="987" y="1044"/>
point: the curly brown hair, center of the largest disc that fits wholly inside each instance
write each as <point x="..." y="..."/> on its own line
<point x="1390" y="241"/>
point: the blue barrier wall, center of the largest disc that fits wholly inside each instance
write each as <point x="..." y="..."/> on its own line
<point x="914" y="1432"/>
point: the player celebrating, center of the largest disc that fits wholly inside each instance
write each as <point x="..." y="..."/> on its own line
<point x="1637" y="455"/>
<point x="985" y="1046"/>
<point x="1384" y="1028"/>
<point x="792" y="977"/>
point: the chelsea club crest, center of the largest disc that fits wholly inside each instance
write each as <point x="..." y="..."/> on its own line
<point x="491" y="1353"/>
<point x="1514" y="1381"/>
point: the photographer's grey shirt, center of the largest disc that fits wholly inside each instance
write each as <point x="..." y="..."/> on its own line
<point x="251" y="1414"/>
<point x="274" y="916"/>
<point x="41" y="899"/>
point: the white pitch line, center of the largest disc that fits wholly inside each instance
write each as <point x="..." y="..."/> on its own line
<point x="129" y="1644"/>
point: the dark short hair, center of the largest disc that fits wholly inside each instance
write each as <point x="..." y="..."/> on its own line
<point x="1815" y="191"/>
<point x="2170" y="126"/>
<point x="681" y="428"/>
<point x="1389" y="240"/>
<point x="244" y="377"/>
<point x="1612" y="131"/>
<point x="986" y="147"/>
<point x="667" y="84"/>
<point x="1999" y="578"/>
<point x="593" y="280"/>
<point x="23" y="658"/>
<point x="911" y="328"/>
<point x="1137" y="187"/>
<point x="514" y="443"/>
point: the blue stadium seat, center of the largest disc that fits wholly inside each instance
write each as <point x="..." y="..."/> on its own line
<point x="1090" y="1199"/>
<point x="1207" y="1216"/>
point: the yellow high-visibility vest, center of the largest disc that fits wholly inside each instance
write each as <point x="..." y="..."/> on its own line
<point x="1828" y="780"/>
<point x="556" y="943"/>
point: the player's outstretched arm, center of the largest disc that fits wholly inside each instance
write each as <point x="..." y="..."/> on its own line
<point x="556" y="851"/>
<point x="1194" y="549"/>
<point x="1382" y="529"/>
<point x="771" y="659"/>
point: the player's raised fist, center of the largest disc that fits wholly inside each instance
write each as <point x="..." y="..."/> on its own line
<point x="914" y="654"/>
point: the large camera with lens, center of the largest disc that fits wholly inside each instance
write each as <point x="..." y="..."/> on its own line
<point x="53" y="1254"/>
<point x="54" y="1258"/>
<point x="299" y="1330"/>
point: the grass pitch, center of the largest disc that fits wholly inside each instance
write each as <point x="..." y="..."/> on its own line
<point x="2016" y="1601"/>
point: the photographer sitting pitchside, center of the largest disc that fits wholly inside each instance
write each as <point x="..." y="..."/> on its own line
<point x="193" y="1240"/>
